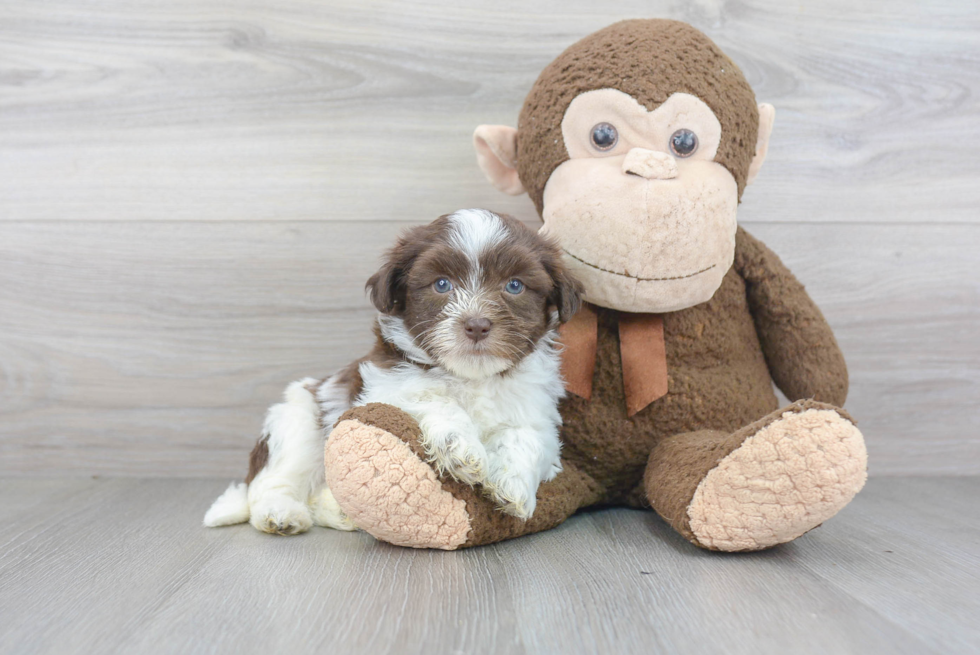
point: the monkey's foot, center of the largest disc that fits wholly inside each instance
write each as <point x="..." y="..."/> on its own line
<point x="385" y="486"/>
<point x="378" y="473"/>
<point x="768" y="483"/>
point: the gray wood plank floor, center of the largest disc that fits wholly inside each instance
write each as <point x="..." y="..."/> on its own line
<point x="122" y="565"/>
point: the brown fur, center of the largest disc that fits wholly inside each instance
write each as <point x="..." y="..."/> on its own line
<point x="258" y="458"/>
<point x="648" y="60"/>
<point x="383" y="355"/>
<point x="387" y="287"/>
<point x="404" y="285"/>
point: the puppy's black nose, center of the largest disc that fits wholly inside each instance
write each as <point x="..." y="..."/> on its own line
<point x="477" y="329"/>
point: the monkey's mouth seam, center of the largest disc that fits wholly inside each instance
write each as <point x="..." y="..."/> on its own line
<point x="639" y="279"/>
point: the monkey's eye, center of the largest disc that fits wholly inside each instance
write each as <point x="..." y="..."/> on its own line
<point x="604" y="136"/>
<point x="514" y="287"/>
<point x="683" y="143"/>
<point x="442" y="285"/>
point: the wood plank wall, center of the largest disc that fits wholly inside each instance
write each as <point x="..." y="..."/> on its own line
<point x="192" y="193"/>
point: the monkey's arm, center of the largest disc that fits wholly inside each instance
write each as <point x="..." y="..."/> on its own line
<point x="800" y="348"/>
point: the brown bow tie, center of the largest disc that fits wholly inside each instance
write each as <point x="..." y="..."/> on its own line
<point x="641" y="346"/>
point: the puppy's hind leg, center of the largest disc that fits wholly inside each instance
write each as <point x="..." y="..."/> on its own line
<point x="278" y="494"/>
<point x="327" y="513"/>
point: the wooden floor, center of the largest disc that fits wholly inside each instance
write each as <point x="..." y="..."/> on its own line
<point x="123" y="565"/>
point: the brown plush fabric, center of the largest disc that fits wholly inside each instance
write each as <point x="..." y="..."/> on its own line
<point x="717" y="380"/>
<point x="649" y="60"/>
<point x="800" y="348"/>
<point x="557" y="500"/>
<point x="678" y="464"/>
<point x="718" y="389"/>
<point x="718" y="377"/>
<point x="676" y="467"/>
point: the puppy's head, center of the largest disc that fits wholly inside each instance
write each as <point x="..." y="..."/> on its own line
<point x="474" y="291"/>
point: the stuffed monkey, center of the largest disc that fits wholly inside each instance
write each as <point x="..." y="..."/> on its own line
<point x="635" y="146"/>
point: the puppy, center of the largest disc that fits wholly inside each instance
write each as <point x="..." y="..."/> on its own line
<point x="465" y="343"/>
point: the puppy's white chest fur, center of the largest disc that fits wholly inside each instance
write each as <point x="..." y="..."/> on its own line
<point x="500" y="431"/>
<point x="526" y="395"/>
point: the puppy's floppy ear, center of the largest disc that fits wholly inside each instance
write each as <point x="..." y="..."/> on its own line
<point x="389" y="286"/>
<point x="566" y="296"/>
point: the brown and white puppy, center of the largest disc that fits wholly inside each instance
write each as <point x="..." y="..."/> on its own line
<point x="470" y="305"/>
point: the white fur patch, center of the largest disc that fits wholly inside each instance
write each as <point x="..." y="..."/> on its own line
<point x="501" y="431"/>
<point x="393" y="331"/>
<point x="230" y="508"/>
<point x="474" y="232"/>
<point x="327" y="513"/>
<point x="280" y="495"/>
<point x="454" y="350"/>
<point x="334" y="399"/>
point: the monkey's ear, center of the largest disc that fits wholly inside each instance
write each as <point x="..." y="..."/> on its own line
<point x="496" y="154"/>
<point x="767" y="114"/>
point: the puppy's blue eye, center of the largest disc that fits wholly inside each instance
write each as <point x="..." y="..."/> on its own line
<point x="515" y="287"/>
<point x="442" y="285"/>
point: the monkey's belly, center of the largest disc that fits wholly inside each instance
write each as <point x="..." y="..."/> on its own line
<point x="614" y="448"/>
<point x="717" y="379"/>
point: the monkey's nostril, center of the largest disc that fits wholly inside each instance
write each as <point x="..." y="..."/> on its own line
<point x="477" y="329"/>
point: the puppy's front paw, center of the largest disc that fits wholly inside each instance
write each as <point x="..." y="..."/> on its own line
<point x="514" y="494"/>
<point x="461" y="457"/>
<point x="281" y="515"/>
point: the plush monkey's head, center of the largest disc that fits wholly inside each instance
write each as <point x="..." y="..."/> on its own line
<point x="635" y="145"/>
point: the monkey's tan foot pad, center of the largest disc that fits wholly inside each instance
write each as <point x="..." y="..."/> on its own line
<point x="376" y="474"/>
<point x="795" y="472"/>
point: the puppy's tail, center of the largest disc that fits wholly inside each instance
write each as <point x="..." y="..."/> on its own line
<point x="230" y="508"/>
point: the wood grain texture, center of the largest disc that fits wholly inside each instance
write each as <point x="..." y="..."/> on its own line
<point x="124" y="566"/>
<point x="154" y="348"/>
<point x="354" y="110"/>
<point x="193" y="191"/>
